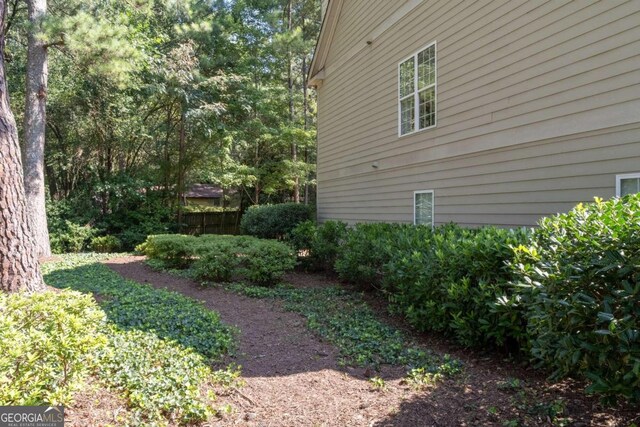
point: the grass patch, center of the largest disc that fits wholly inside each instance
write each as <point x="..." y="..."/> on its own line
<point x="159" y="344"/>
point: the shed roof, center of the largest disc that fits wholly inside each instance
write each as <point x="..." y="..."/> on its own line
<point x="204" y="191"/>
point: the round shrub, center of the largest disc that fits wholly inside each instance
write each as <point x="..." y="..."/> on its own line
<point x="48" y="343"/>
<point x="105" y="244"/>
<point x="318" y="245"/>
<point x="173" y="250"/>
<point x="218" y="262"/>
<point x="70" y="237"/>
<point x="274" y="221"/>
<point x="581" y="282"/>
<point x="265" y="262"/>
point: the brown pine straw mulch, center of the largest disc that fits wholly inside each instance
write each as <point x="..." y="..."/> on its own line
<point x="293" y="379"/>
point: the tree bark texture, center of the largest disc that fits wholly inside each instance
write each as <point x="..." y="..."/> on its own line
<point x="19" y="268"/>
<point x="35" y="126"/>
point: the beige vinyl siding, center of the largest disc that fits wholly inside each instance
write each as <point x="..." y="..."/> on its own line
<point x="538" y="109"/>
<point x="506" y="187"/>
<point x="356" y="20"/>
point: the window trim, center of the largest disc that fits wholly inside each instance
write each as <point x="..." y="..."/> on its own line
<point x="619" y="179"/>
<point x="416" y="91"/>
<point x="433" y="206"/>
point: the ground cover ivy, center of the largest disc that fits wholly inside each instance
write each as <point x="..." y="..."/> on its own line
<point x="346" y="321"/>
<point x="158" y="344"/>
<point x="161" y="379"/>
<point x="132" y="305"/>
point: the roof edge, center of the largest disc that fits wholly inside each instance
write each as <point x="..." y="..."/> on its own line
<point x="327" y="31"/>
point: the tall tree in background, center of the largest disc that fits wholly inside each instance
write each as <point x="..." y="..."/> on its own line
<point x="294" y="145"/>
<point x="35" y="125"/>
<point x="19" y="268"/>
<point x="131" y="120"/>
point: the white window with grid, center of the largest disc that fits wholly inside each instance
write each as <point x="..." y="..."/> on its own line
<point x="627" y="184"/>
<point x="417" y="79"/>
<point x="423" y="204"/>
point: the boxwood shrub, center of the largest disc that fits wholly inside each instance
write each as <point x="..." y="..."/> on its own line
<point x="217" y="262"/>
<point x="266" y="261"/>
<point x="105" y="244"/>
<point x="453" y="280"/>
<point x="274" y="221"/>
<point x="174" y="250"/>
<point x="368" y="247"/>
<point x="220" y="258"/>
<point x="318" y="245"/>
<point x="580" y="282"/>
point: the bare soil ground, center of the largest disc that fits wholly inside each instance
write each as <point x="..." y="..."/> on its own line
<point x="96" y="406"/>
<point x="293" y="379"/>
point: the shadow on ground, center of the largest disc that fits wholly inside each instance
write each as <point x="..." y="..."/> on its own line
<point x="294" y="378"/>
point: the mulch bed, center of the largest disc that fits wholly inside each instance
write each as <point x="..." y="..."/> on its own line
<point x="293" y="378"/>
<point x="95" y="406"/>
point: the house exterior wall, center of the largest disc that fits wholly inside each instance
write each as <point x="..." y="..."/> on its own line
<point x="538" y="108"/>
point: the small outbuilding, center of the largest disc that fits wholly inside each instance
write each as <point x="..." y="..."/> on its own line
<point x="210" y="195"/>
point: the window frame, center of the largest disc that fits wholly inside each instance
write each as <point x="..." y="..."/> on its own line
<point x="619" y="178"/>
<point x="433" y="206"/>
<point x="417" y="91"/>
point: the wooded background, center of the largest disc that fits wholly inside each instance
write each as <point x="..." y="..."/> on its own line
<point x="145" y="97"/>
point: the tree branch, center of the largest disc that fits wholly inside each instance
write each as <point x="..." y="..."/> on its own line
<point x="14" y="11"/>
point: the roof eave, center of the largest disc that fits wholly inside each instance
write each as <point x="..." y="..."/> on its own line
<point x="329" y="24"/>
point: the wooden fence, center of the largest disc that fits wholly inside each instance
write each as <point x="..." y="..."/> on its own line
<point x="211" y="223"/>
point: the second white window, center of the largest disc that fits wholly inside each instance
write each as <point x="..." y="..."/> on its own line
<point x="423" y="208"/>
<point x="417" y="91"/>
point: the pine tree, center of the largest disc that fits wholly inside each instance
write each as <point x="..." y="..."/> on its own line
<point x="19" y="268"/>
<point x="35" y="126"/>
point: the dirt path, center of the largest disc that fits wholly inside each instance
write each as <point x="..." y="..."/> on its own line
<point x="293" y="378"/>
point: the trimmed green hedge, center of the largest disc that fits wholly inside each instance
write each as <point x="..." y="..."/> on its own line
<point x="274" y="221"/>
<point x="449" y="279"/>
<point x="367" y="248"/>
<point x="566" y="293"/>
<point x="220" y="258"/>
<point x="580" y="287"/>
<point x="321" y="244"/>
<point x="453" y="280"/>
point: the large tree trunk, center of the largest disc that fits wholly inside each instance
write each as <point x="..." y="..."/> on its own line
<point x="19" y="268"/>
<point x="34" y="128"/>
